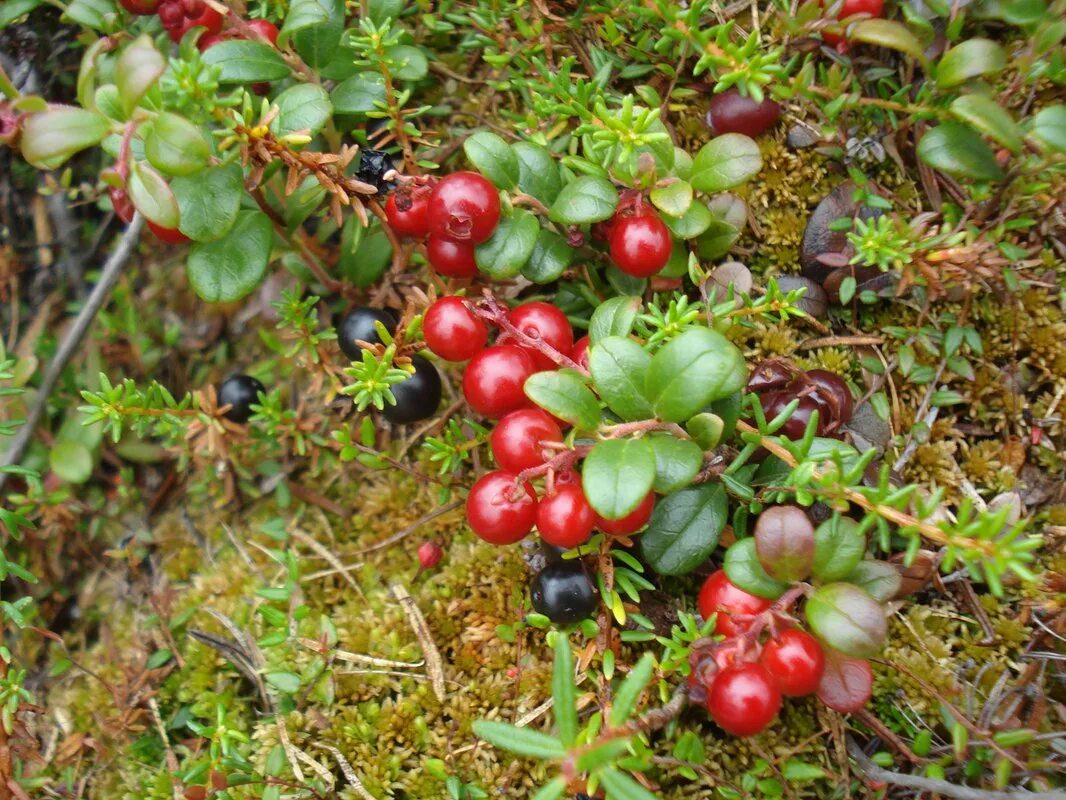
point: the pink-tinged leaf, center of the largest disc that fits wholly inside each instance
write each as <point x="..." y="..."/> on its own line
<point x="846" y="684"/>
<point x="784" y="543"/>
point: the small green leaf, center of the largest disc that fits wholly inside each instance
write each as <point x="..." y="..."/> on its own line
<point x="847" y="619"/>
<point x="706" y="429"/>
<point x="538" y="174"/>
<point x="684" y="529"/>
<point x="287" y="682"/>
<point x="304" y="107"/>
<point x="1049" y="126"/>
<point x="584" y="200"/>
<point x="878" y="579"/>
<point x="614" y="317"/>
<point x="724" y="162"/>
<point x="550" y="257"/>
<point x="227" y="269"/>
<point x="695" y="221"/>
<point x="315" y="28"/>
<point x="521" y="741"/>
<point x="414" y="65"/>
<point x="743" y="569"/>
<point x="990" y="119"/>
<point x="564" y="705"/>
<point x="71" y="461"/>
<point x="625" y="700"/>
<point x="359" y="93"/>
<point x="618" y="366"/>
<point x="692" y="370"/>
<point x="839" y="546"/>
<point x="620" y="786"/>
<point x="956" y="149"/>
<point x="246" y="61"/>
<point x="617" y="475"/>
<point x="673" y="199"/>
<point x="887" y="33"/>
<point x="564" y="395"/>
<point x="677" y="462"/>
<point x="795" y="770"/>
<point x="208" y="201"/>
<point x="493" y="158"/>
<point x="137" y="69"/>
<point x="969" y="59"/>
<point x="175" y="146"/>
<point x="552" y="790"/>
<point x="50" y="137"/>
<point x="152" y="196"/>
<point x="509" y="247"/>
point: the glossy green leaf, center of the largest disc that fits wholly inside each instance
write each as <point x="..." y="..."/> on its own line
<point x="878" y="579"/>
<point x="673" y="199"/>
<point x="209" y="201"/>
<point x="493" y="158"/>
<point x="957" y="149"/>
<point x="359" y="93"/>
<point x="706" y="429"/>
<point x="619" y="366"/>
<point x="677" y="462"/>
<point x="969" y="59"/>
<point x="743" y="569"/>
<point x="989" y="118"/>
<point x="152" y="196"/>
<point x="1049" y="127"/>
<point x="692" y="370"/>
<point x="50" y="137"/>
<point x="695" y="221"/>
<point x="315" y="28"/>
<point x="175" y="146"/>
<point x="246" y="61"/>
<point x="614" y="317"/>
<point x="564" y="395"/>
<point x="228" y="269"/>
<point x="617" y="475"/>
<point x="521" y="741"/>
<point x="510" y="246"/>
<point x="724" y="162"/>
<point x="538" y="173"/>
<point x="137" y="70"/>
<point x="564" y="705"/>
<point x="684" y="529"/>
<point x="839" y="546"/>
<point x="584" y="200"/>
<point x="304" y="107"/>
<point x="550" y="257"/>
<point x="847" y="619"/>
<point x="887" y="33"/>
<point x="413" y="64"/>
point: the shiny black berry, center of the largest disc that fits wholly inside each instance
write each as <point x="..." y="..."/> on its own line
<point x="417" y="397"/>
<point x="373" y="164"/>
<point x="358" y="325"/>
<point x="563" y="593"/>
<point x="239" y="392"/>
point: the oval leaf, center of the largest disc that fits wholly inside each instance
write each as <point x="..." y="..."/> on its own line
<point x="358" y="94"/>
<point x="209" y="201"/>
<point x="584" y="200"/>
<point x="839" y="546"/>
<point x="304" y="108"/>
<point x="969" y="59"/>
<point x="956" y="149"/>
<point x="509" y="247"/>
<point x="695" y="221"/>
<point x="245" y="61"/>
<point x="614" y="317"/>
<point x="846" y="684"/>
<point x="990" y="119"/>
<point x="692" y="370"/>
<point x="550" y="257"/>
<point x="617" y="475"/>
<point x="228" y="269"/>
<point x="887" y="33"/>
<point x="51" y="137"/>
<point x="563" y="394"/>
<point x="538" y="174"/>
<point x="784" y="543"/>
<point x="493" y="158"/>
<point x="878" y="579"/>
<point x="1049" y="126"/>
<point x="743" y="569"/>
<point x="619" y="366"/>
<point x="724" y="162"/>
<point x="673" y="199"/>
<point x="152" y="196"/>
<point x="684" y="529"/>
<point x="677" y="462"/>
<point x="847" y="619"/>
<point x="175" y="146"/>
<point x="137" y="69"/>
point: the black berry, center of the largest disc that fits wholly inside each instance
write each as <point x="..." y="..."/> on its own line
<point x="239" y="392"/>
<point x="417" y="397"/>
<point x="563" y="593"/>
<point x="358" y="325"/>
<point x="373" y="164"/>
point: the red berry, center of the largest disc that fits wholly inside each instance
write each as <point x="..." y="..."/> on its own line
<point x="874" y="8"/>
<point x="451" y="258"/>
<point x="732" y="112"/>
<point x="171" y="13"/>
<point x="640" y="244"/>
<point x="579" y="353"/>
<point x="429" y="554"/>
<point x="452" y="331"/>
<point x="795" y="661"/>
<point x="499" y="511"/>
<point x="720" y="596"/>
<point x="545" y="322"/>
<point x="743" y="699"/>
<point x="632" y="522"/>
<point x="120" y="201"/>
<point x="565" y="519"/>
<point x="408" y="212"/>
<point x="167" y="235"/>
<point x="494" y="379"/>
<point x="209" y="40"/>
<point x="517" y="439"/>
<point x="140" y="7"/>
<point x="181" y="16"/>
<point x="464" y="206"/>
<point x="265" y="28"/>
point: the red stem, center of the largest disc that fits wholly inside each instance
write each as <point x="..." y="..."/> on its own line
<point x="491" y="310"/>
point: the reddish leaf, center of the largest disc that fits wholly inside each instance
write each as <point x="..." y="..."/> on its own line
<point x="846" y="684"/>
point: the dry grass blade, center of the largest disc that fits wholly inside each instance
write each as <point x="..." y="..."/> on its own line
<point x="349" y="773"/>
<point x="434" y="664"/>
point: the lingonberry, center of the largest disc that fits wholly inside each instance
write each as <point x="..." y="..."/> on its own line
<point x="732" y="112"/>
<point x="500" y="511"/>
<point x="265" y="28"/>
<point x="407" y="210"/>
<point x="743" y="699"/>
<point x="850" y="8"/>
<point x="141" y="8"/>
<point x="579" y="353"/>
<point x="209" y="40"/>
<point x="452" y="331"/>
<point x="167" y="235"/>
<point x="494" y="379"/>
<point x="429" y="555"/>
<point x="719" y="596"/>
<point x="517" y="440"/>
<point x="565" y="518"/>
<point x="120" y="201"/>
<point x="239" y="392"/>
<point x="358" y="325"/>
<point x="632" y="522"/>
<point x="451" y="258"/>
<point x="795" y="661"/>
<point x="464" y="206"/>
<point x="542" y="321"/>
<point x="181" y="16"/>
<point x="563" y="593"/>
<point x="417" y="397"/>
<point x="640" y="244"/>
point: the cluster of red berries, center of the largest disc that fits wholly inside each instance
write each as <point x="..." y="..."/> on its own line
<point x="778" y="382"/>
<point x="453" y="215"/>
<point x="503" y="506"/>
<point x="637" y="239"/>
<point x="178" y="16"/>
<point x="741" y="683"/>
